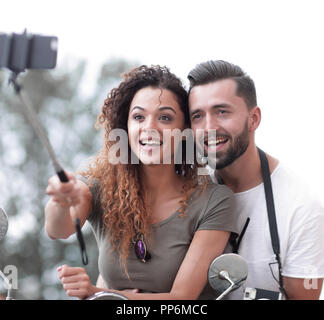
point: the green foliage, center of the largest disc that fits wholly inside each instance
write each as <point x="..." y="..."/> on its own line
<point x="68" y="116"/>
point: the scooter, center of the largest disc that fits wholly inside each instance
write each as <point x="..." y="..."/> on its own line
<point x="225" y="274"/>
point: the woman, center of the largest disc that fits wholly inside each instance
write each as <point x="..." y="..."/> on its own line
<point x="164" y="208"/>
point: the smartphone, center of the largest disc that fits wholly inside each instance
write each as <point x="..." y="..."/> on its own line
<point x="23" y="51"/>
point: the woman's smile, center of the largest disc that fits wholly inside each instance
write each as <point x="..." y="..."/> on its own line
<point x="153" y="111"/>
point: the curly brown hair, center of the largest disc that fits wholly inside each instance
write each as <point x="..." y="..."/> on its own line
<point x="125" y="210"/>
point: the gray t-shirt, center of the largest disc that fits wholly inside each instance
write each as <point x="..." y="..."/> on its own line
<point x="171" y="238"/>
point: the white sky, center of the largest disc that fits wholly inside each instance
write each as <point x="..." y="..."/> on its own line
<point x="279" y="43"/>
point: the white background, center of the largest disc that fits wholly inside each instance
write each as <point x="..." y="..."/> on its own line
<point x="279" y="43"/>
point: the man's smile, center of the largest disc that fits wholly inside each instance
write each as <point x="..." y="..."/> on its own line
<point x="216" y="144"/>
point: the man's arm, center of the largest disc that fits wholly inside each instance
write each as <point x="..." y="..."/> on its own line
<point x="303" y="268"/>
<point x="303" y="289"/>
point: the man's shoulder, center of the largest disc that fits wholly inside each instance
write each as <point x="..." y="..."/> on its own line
<point x="288" y="180"/>
<point x="293" y="190"/>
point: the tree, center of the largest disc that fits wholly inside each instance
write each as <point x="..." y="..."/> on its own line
<point x="68" y="115"/>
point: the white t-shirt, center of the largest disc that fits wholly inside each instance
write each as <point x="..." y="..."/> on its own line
<point x="300" y="221"/>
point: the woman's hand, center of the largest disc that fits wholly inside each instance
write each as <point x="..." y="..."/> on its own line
<point x="76" y="282"/>
<point x="66" y="194"/>
<point x="69" y="200"/>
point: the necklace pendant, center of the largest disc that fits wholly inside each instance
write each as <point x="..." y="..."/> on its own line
<point x="140" y="249"/>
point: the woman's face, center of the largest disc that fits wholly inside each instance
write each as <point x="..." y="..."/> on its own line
<point x="153" y="114"/>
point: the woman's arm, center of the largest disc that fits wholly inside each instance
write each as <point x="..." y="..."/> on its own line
<point x="192" y="275"/>
<point x="100" y="282"/>
<point x="68" y="201"/>
<point x="189" y="282"/>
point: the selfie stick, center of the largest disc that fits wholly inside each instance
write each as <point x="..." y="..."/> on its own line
<point x="39" y="130"/>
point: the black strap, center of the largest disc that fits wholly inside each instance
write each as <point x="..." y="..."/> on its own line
<point x="271" y="214"/>
<point x="271" y="217"/>
<point x="235" y="243"/>
<point x="270" y="203"/>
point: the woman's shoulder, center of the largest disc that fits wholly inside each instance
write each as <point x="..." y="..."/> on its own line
<point x="94" y="186"/>
<point x="214" y="209"/>
<point x="218" y="192"/>
<point x="210" y="196"/>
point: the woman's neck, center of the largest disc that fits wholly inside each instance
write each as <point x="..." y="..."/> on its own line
<point x="160" y="179"/>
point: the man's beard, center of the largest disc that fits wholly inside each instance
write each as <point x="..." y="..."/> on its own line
<point x="238" y="146"/>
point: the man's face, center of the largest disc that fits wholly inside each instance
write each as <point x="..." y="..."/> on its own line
<point x="216" y="106"/>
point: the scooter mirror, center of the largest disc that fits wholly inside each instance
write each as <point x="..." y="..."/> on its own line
<point x="227" y="273"/>
<point x="3" y="223"/>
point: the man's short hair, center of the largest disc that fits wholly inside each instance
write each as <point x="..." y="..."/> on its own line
<point x="215" y="70"/>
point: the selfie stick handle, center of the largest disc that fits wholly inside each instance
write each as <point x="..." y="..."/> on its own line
<point x="31" y="116"/>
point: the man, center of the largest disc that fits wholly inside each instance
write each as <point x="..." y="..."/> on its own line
<point x="223" y="97"/>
